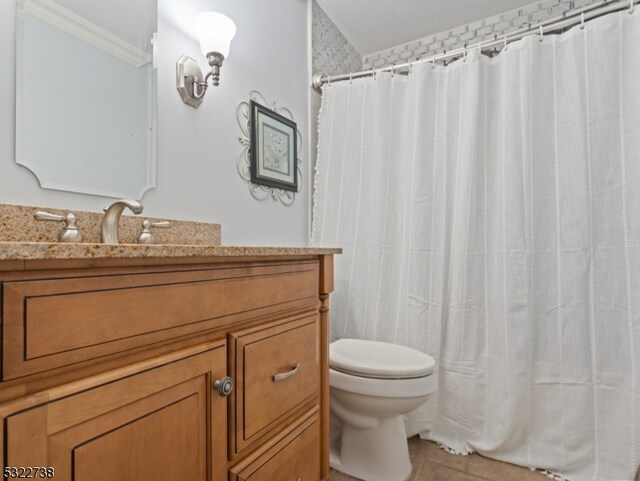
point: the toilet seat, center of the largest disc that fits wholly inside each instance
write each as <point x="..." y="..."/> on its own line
<point x="379" y="360"/>
<point x="385" y="388"/>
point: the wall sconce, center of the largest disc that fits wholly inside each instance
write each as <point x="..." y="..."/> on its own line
<point x="215" y="32"/>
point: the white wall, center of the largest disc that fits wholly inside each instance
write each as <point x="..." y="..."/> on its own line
<point x="196" y="173"/>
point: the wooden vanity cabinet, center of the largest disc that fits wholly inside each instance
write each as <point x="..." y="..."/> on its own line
<point x="140" y="401"/>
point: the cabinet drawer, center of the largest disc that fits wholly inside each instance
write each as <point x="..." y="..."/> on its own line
<point x="52" y="323"/>
<point x="295" y="457"/>
<point x="277" y="370"/>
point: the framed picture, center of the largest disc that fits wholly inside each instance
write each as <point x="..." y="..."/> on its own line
<point x="274" y="147"/>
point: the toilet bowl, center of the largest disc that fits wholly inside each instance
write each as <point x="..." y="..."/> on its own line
<point x="373" y="384"/>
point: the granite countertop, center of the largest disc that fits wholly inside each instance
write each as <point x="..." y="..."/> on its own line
<point x="55" y="250"/>
<point x="17" y="224"/>
<point x="22" y="238"/>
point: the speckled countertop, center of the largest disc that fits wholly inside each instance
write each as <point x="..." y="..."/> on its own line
<point x="54" y="250"/>
<point x="23" y="238"/>
<point x="18" y="225"/>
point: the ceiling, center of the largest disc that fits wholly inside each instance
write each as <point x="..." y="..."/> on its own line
<point x="374" y="25"/>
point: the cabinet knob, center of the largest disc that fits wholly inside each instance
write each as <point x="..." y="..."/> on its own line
<point x="224" y="386"/>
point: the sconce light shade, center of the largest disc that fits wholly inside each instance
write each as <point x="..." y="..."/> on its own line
<point x="215" y="32"/>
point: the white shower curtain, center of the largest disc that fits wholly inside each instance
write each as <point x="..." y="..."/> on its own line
<point x="489" y="213"/>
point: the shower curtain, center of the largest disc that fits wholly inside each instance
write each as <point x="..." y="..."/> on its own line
<point x="489" y="213"/>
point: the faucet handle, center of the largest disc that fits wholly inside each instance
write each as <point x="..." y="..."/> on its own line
<point x="162" y="224"/>
<point x="146" y="236"/>
<point x="70" y="233"/>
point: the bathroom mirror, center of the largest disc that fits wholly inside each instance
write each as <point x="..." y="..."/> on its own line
<point x="86" y="95"/>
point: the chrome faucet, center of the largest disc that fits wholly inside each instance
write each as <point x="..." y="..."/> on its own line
<point x="109" y="229"/>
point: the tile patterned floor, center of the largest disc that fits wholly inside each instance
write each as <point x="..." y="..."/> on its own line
<point x="430" y="463"/>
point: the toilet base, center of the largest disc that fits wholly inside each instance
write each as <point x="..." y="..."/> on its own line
<point x="380" y="453"/>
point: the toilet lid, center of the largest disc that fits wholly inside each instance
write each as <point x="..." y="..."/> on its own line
<point x="379" y="359"/>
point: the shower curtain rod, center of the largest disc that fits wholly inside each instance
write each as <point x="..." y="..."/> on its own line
<point x="568" y="19"/>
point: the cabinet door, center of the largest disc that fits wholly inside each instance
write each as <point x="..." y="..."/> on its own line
<point x="164" y="424"/>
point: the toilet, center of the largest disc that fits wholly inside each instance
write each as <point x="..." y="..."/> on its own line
<point x="373" y="384"/>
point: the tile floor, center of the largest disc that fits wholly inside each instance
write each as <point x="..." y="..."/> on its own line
<point x="431" y="463"/>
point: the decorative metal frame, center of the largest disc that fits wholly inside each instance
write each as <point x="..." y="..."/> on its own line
<point x="243" y="160"/>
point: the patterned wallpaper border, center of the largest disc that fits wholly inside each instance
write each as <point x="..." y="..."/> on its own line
<point x="479" y="31"/>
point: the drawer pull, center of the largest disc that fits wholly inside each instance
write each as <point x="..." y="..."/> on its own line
<point x="286" y="375"/>
<point x="224" y="386"/>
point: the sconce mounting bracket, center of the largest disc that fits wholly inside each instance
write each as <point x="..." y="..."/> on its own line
<point x="187" y="69"/>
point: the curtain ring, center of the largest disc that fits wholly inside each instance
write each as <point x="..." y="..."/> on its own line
<point x="541" y="33"/>
<point x="393" y="70"/>
<point x="328" y="80"/>
<point x="630" y="7"/>
<point x="350" y="78"/>
<point x="582" y="21"/>
<point x="410" y="67"/>
<point x="433" y="63"/>
<point x="375" y="74"/>
<point x="505" y="48"/>
<point x="464" y="53"/>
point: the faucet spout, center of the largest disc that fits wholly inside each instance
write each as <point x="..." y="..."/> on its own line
<point x="111" y="219"/>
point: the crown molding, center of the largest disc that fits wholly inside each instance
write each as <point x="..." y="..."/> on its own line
<point x="73" y="24"/>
